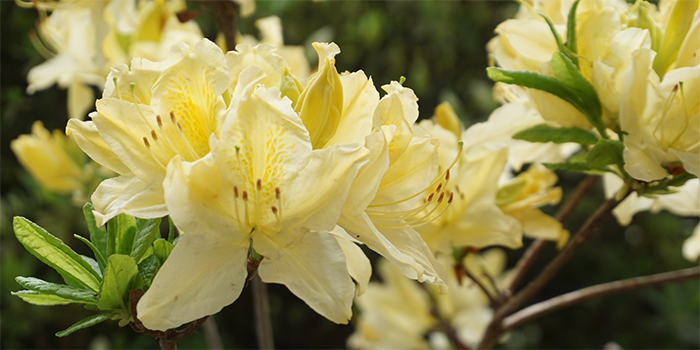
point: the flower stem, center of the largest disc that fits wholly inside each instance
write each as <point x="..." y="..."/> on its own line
<point x="495" y="328"/>
<point x="600" y="290"/>
<point x="261" y="308"/>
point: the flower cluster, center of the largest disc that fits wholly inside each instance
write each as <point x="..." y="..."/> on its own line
<point x="253" y="164"/>
<point x="629" y="71"/>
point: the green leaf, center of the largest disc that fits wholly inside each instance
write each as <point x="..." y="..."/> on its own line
<point x="87" y="322"/>
<point x="147" y="231"/>
<point x="101" y="263"/>
<point x="536" y="81"/>
<point x="123" y="228"/>
<point x="574" y="167"/>
<point x="53" y="252"/>
<point x="571" y="32"/>
<point x="560" y="44"/>
<point x="546" y="133"/>
<point x="121" y="275"/>
<point x="98" y="235"/>
<point x="147" y="269"/>
<point x="587" y="100"/>
<point x="42" y="299"/>
<point x="606" y="152"/>
<point x="171" y="230"/>
<point x="162" y="249"/>
<point x="510" y="191"/>
<point x="75" y="294"/>
<point x="95" y="266"/>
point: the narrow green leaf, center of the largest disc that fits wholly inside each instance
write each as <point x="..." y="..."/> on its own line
<point x="606" y="152"/>
<point x="571" y="32"/>
<point x="162" y="249"/>
<point x="574" y="167"/>
<point x="123" y="228"/>
<point x="557" y="37"/>
<point x="568" y="74"/>
<point x="147" y="269"/>
<point x="86" y="322"/>
<point x="76" y="295"/>
<point x="41" y="299"/>
<point x="98" y="235"/>
<point x="121" y="275"/>
<point x="534" y="81"/>
<point x="95" y="266"/>
<point x="546" y="133"/>
<point x="53" y="252"/>
<point x="101" y="263"/>
<point x="147" y="231"/>
<point x="171" y="230"/>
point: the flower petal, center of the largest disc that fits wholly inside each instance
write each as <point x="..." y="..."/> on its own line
<point x="87" y="137"/>
<point x="326" y="287"/>
<point x="359" y="266"/>
<point x="201" y="276"/>
<point x="128" y="195"/>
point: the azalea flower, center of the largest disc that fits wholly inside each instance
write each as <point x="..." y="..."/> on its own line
<point x="82" y="39"/>
<point x="399" y="313"/>
<point x="53" y="159"/>
<point x="150" y="113"/>
<point x="662" y="118"/>
<point x="262" y="187"/>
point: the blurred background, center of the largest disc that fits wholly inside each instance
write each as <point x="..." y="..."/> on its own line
<point x="439" y="46"/>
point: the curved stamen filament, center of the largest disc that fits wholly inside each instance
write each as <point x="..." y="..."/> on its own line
<point x="424" y="219"/>
<point x="438" y="180"/>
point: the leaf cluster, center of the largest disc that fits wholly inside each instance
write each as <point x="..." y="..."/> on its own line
<point x="127" y="254"/>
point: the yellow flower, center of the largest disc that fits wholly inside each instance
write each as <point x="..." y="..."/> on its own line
<point x="661" y="117"/>
<point x="262" y="186"/>
<point x="400" y="314"/>
<point x="148" y="115"/>
<point x="53" y="159"/>
<point x="521" y="196"/>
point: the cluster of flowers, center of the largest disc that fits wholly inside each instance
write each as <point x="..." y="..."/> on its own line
<point x="266" y="168"/>
<point x="642" y="63"/>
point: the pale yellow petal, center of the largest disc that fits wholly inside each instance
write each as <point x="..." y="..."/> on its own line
<point x="81" y="99"/>
<point x="691" y="246"/>
<point x="128" y="195"/>
<point x="201" y="276"/>
<point x="326" y="287"/>
<point x="357" y="262"/>
<point x="88" y="138"/>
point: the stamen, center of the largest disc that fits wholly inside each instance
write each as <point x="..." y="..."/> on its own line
<point x="258" y="184"/>
<point x="160" y="121"/>
<point x="245" y="202"/>
<point x="145" y="141"/>
<point x="116" y="87"/>
<point x="235" y="207"/>
<point x="154" y="136"/>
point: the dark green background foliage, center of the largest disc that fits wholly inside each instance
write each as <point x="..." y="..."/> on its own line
<point x="439" y="46"/>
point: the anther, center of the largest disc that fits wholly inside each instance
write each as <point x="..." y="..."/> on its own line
<point x="160" y="121"/>
<point x="449" y="200"/>
<point x="442" y="195"/>
<point x="439" y="187"/>
<point x="277" y="192"/>
<point x="153" y="134"/>
<point x="274" y="209"/>
<point x="447" y="174"/>
<point x="245" y="195"/>
<point x="675" y="88"/>
<point x="172" y="117"/>
<point x="145" y="141"/>
<point x="258" y="184"/>
<point x="179" y="126"/>
<point x="430" y="197"/>
<point x="235" y="191"/>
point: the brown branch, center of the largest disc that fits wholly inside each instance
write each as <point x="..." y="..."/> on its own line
<point x="494" y="300"/>
<point x="226" y="13"/>
<point x="600" y="290"/>
<point x="261" y="308"/>
<point x="494" y="330"/>
<point x="444" y="324"/>
<point x="537" y="246"/>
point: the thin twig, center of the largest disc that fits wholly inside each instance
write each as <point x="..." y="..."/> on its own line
<point x="600" y="290"/>
<point x="494" y="300"/>
<point x="537" y="246"/>
<point x="211" y="334"/>
<point x="261" y="308"/>
<point x="494" y="329"/>
<point x="444" y="324"/>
